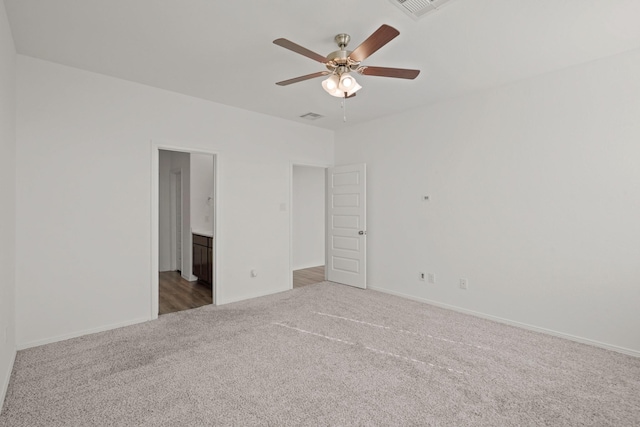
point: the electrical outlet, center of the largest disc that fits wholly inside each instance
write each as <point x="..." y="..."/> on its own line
<point x="421" y="276"/>
<point x="432" y="278"/>
<point x="463" y="284"/>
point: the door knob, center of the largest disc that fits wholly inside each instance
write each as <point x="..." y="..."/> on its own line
<point x="362" y="233"/>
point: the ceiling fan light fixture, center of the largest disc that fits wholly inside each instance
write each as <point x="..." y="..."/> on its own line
<point x="347" y="82"/>
<point x="341" y="86"/>
<point x="356" y="87"/>
<point x="331" y="84"/>
<point x="333" y="92"/>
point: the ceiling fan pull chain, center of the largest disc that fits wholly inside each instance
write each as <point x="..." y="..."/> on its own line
<point x="344" y="108"/>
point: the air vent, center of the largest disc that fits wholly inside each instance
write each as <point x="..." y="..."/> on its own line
<point x="419" y="8"/>
<point x="311" y="116"/>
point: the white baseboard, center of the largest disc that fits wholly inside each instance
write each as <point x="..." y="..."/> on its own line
<point x="581" y="340"/>
<point x="36" y="343"/>
<point x="7" y="378"/>
<point x="256" y="295"/>
<point x="305" y="266"/>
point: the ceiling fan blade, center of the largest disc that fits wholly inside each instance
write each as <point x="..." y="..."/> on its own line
<point x="400" y="73"/>
<point x="299" y="49"/>
<point x="379" y="38"/>
<point x="303" y="78"/>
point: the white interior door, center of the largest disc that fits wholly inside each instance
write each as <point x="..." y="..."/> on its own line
<point x="347" y="225"/>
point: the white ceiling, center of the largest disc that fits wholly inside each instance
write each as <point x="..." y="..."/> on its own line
<point x="223" y="50"/>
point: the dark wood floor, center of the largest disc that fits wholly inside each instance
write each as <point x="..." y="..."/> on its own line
<point x="177" y="294"/>
<point x="308" y="276"/>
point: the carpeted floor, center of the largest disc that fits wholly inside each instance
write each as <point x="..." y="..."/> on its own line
<point x="323" y="354"/>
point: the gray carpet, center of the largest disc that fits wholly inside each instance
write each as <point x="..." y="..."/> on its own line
<point x="323" y="354"/>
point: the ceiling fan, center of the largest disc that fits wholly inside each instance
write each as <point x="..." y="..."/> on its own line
<point x="341" y="63"/>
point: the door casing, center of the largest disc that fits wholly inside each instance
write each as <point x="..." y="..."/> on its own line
<point x="156" y="146"/>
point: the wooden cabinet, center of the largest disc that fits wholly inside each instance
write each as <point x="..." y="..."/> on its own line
<point x="203" y="258"/>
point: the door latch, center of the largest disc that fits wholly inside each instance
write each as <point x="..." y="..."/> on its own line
<point x="362" y="233"/>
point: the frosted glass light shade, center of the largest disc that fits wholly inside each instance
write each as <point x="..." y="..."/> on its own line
<point x="347" y="82"/>
<point x="331" y="84"/>
<point x="341" y="86"/>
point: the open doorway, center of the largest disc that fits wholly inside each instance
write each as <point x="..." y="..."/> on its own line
<point x="308" y="207"/>
<point x="185" y="218"/>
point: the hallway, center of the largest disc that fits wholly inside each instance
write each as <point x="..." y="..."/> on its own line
<point x="308" y="276"/>
<point x="177" y="294"/>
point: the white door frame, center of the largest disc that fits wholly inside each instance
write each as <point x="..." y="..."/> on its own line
<point x="315" y="165"/>
<point x="156" y="146"/>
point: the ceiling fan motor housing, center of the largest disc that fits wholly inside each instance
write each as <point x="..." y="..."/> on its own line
<point x="339" y="60"/>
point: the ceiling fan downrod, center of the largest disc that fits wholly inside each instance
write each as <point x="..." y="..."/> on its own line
<point x="342" y="40"/>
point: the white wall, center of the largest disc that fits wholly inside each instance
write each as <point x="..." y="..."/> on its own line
<point x="84" y="195"/>
<point x="8" y="201"/>
<point x="201" y="190"/>
<point x="535" y="198"/>
<point x="308" y="207"/>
